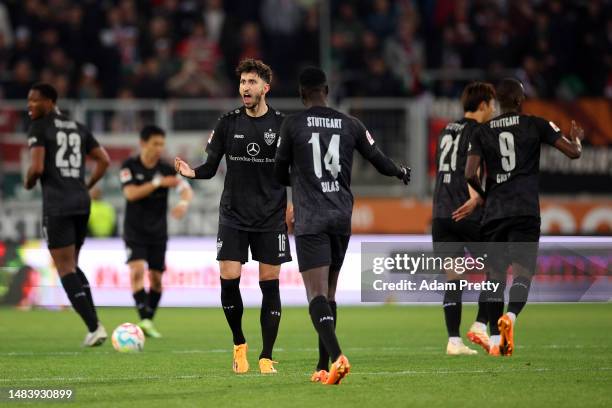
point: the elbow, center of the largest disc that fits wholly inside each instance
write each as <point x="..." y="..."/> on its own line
<point x="104" y="162"/>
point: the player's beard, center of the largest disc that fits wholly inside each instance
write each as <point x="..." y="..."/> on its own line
<point x="255" y="100"/>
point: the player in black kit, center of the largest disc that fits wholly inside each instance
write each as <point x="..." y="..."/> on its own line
<point x="252" y="209"/>
<point x="509" y="145"/>
<point x="145" y="180"/>
<point x="453" y="235"/>
<point x="317" y="145"/>
<point x="58" y="147"/>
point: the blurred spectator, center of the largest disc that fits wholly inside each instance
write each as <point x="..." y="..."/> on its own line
<point x="281" y="21"/>
<point x="103" y="217"/>
<point x="383" y="18"/>
<point x="88" y="84"/>
<point x="560" y="48"/>
<point x="150" y="83"/>
<point x="126" y="120"/>
<point x="404" y="55"/>
<point x="19" y="86"/>
<point x="346" y="33"/>
<point x="6" y="29"/>
<point x="201" y="50"/>
<point x="250" y="46"/>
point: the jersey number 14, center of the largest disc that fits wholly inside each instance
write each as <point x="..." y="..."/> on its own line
<point x="331" y="159"/>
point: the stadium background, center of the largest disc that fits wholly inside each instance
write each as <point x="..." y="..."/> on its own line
<point x="397" y="65"/>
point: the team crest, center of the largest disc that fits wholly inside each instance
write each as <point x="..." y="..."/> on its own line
<point x="269" y="137"/>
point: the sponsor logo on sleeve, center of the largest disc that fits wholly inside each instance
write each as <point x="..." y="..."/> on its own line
<point x="555" y="127"/>
<point x="370" y="138"/>
<point x="125" y="175"/>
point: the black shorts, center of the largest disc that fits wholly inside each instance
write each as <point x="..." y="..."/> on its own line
<point x="521" y="236"/>
<point x="64" y="230"/>
<point x="154" y="254"/>
<point x="270" y="248"/>
<point x="316" y="250"/>
<point x="452" y="238"/>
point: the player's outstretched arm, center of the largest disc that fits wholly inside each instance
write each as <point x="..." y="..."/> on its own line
<point x="133" y="192"/>
<point x="186" y="193"/>
<point x="205" y="171"/>
<point x="572" y="146"/>
<point x="100" y="156"/>
<point x="37" y="166"/>
<point x="183" y="168"/>
<point x="388" y="167"/>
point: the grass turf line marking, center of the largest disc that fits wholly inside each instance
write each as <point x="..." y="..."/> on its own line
<point x="301" y="375"/>
<point x="290" y="350"/>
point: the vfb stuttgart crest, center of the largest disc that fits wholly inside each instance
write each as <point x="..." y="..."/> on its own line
<point x="269" y="137"/>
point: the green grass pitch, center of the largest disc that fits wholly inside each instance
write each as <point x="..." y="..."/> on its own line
<point x="563" y="359"/>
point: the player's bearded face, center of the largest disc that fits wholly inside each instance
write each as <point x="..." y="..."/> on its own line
<point x="252" y="89"/>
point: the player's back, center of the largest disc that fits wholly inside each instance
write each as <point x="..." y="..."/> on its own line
<point x="66" y="144"/>
<point x="323" y="141"/>
<point x="451" y="189"/>
<point x="510" y="146"/>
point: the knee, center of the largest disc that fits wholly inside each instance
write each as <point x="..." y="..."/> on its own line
<point x="230" y="269"/>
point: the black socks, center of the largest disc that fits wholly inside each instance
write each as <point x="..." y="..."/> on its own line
<point x="323" y="354"/>
<point x="153" y="300"/>
<point x="452" y="309"/>
<point x="324" y="322"/>
<point x="519" y="291"/>
<point x="87" y="289"/>
<point x="78" y="297"/>
<point x="495" y="305"/>
<point x="482" y="315"/>
<point x="270" y="315"/>
<point x="232" y="307"/>
<point x="141" y="300"/>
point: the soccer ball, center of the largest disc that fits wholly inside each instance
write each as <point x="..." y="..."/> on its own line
<point x="128" y="338"/>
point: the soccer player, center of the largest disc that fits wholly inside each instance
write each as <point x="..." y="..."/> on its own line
<point x="58" y="147"/>
<point x="510" y="147"/>
<point x="145" y="180"/>
<point x="452" y="237"/>
<point x="318" y="144"/>
<point x="252" y="210"/>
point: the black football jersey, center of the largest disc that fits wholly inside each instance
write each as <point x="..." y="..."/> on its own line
<point x="319" y="143"/>
<point x="252" y="199"/>
<point x="451" y="189"/>
<point x="510" y="147"/>
<point x="66" y="144"/>
<point x="146" y="220"/>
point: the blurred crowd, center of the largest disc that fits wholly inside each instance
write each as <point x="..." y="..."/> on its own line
<point x="188" y="48"/>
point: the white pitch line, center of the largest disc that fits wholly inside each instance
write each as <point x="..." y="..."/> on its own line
<point x="301" y="349"/>
<point x="302" y="375"/>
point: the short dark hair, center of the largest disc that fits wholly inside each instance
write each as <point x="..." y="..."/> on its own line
<point x="510" y="94"/>
<point x="150" y="130"/>
<point x="256" y="66"/>
<point x="312" y="78"/>
<point x="475" y="93"/>
<point x="46" y="90"/>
